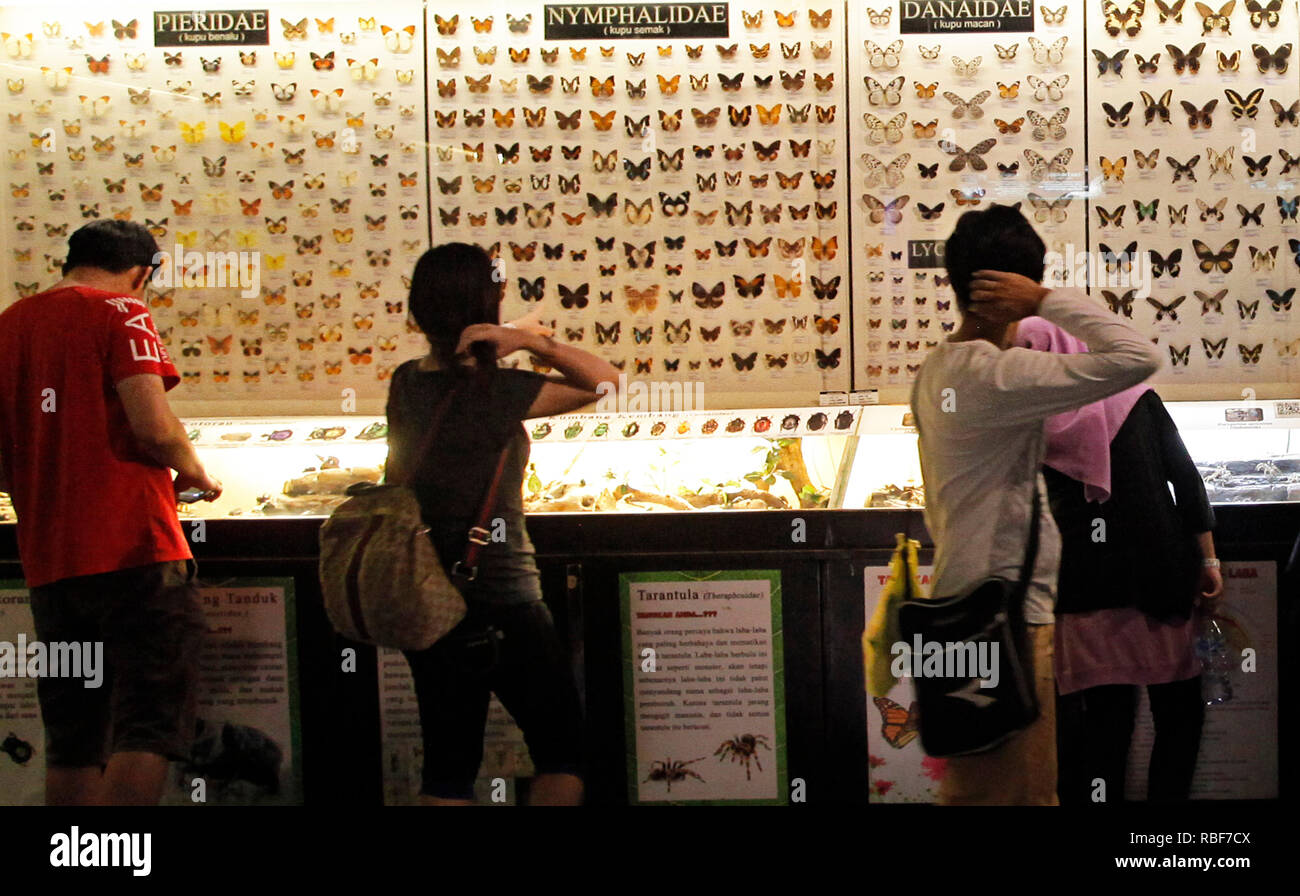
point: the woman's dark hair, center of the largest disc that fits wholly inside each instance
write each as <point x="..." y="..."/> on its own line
<point x="454" y="286"/>
<point x="997" y="239"/>
<point x="111" y="245"/>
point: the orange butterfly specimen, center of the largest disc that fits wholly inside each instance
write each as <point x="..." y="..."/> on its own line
<point x="97" y="66"/>
<point x="898" y="726"/>
<point x="251" y="208"/>
<point x="221" y="346"/>
<point x="183" y="208"/>
<point x="824" y="251"/>
<point x="602" y="122"/>
<point x="925" y="91"/>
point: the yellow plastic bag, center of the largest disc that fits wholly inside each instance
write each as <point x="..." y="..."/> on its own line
<point x="882" y="631"/>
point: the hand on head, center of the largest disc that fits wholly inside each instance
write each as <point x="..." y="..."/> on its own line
<point x="1001" y="297"/>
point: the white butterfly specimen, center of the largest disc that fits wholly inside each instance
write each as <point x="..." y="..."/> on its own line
<point x="884" y="94"/>
<point x="885" y="131"/>
<point x="1040" y="167"/>
<point x="56" y="78"/>
<point x="883" y="57"/>
<point x="95" y="106"/>
<point x="966" y="69"/>
<point x="890" y="175"/>
<point x="1053" y="211"/>
<point x="1048" y="55"/>
<point x="930" y="53"/>
<point x="1045" y="90"/>
<point x="1045" y="128"/>
<point x="1053" y="17"/>
<point x="971" y="108"/>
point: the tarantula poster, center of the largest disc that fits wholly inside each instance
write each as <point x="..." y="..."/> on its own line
<point x="743" y="749"/>
<point x="668" y="771"/>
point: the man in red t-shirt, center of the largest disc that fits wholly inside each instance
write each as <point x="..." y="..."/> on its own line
<point x="87" y="443"/>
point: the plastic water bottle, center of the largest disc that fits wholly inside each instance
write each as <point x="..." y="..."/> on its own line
<point x="1212" y="650"/>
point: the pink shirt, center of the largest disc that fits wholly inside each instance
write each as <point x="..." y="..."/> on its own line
<point x="1122" y="646"/>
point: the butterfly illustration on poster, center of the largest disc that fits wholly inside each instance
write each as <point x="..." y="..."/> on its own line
<point x="673" y="205"/>
<point x="1194" y="137"/>
<point x="952" y="120"/>
<point x="285" y="182"/>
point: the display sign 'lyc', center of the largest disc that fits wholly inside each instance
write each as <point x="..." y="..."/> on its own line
<point x="243" y="27"/>
<point x="630" y="21"/>
<point x="925" y="253"/>
<point x="940" y="16"/>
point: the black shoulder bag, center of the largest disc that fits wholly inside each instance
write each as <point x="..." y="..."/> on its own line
<point x="960" y="711"/>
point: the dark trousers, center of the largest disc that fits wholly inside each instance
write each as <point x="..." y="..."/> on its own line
<point x="1094" y="730"/>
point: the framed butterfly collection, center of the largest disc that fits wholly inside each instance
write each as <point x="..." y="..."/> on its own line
<point x="1195" y="151"/>
<point x="950" y="123"/>
<point x="674" y="206"/>
<point x="683" y="207"/>
<point x="306" y="156"/>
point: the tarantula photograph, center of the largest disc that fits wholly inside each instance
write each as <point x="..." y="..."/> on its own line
<point x="743" y="749"/>
<point x="668" y="771"/>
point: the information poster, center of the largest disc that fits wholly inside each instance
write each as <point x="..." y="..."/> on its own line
<point x="1238" y="758"/>
<point x="22" y="767"/>
<point x="704" y="687"/>
<point x="899" y="770"/>
<point x="505" y="754"/>
<point x="247" y="742"/>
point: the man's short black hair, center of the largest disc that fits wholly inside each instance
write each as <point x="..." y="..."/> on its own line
<point x="111" y="245"/>
<point x="998" y="238"/>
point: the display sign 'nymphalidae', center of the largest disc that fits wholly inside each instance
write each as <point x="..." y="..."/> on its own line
<point x="607" y="21"/>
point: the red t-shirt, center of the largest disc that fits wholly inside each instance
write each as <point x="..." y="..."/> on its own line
<point x="87" y="499"/>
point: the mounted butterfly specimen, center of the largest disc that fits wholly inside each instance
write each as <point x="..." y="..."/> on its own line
<point x="1277" y="61"/>
<point x="1220" y="21"/>
<point x="1264" y="14"/>
<point x="1123" y="21"/>
<point x="1114" y="64"/>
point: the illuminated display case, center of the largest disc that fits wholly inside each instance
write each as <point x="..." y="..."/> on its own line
<point x="834" y="458"/>
<point x="297" y="466"/>
<point x="774" y="459"/>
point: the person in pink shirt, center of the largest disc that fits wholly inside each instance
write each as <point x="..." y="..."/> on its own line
<point x="1135" y="561"/>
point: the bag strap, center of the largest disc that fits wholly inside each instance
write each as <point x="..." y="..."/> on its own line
<point x="1031" y="548"/>
<point x="479" y="534"/>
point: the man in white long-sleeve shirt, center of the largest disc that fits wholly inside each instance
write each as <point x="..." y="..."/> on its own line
<point x="979" y="408"/>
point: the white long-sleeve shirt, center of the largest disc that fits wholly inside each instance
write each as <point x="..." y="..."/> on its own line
<point x="980" y="410"/>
